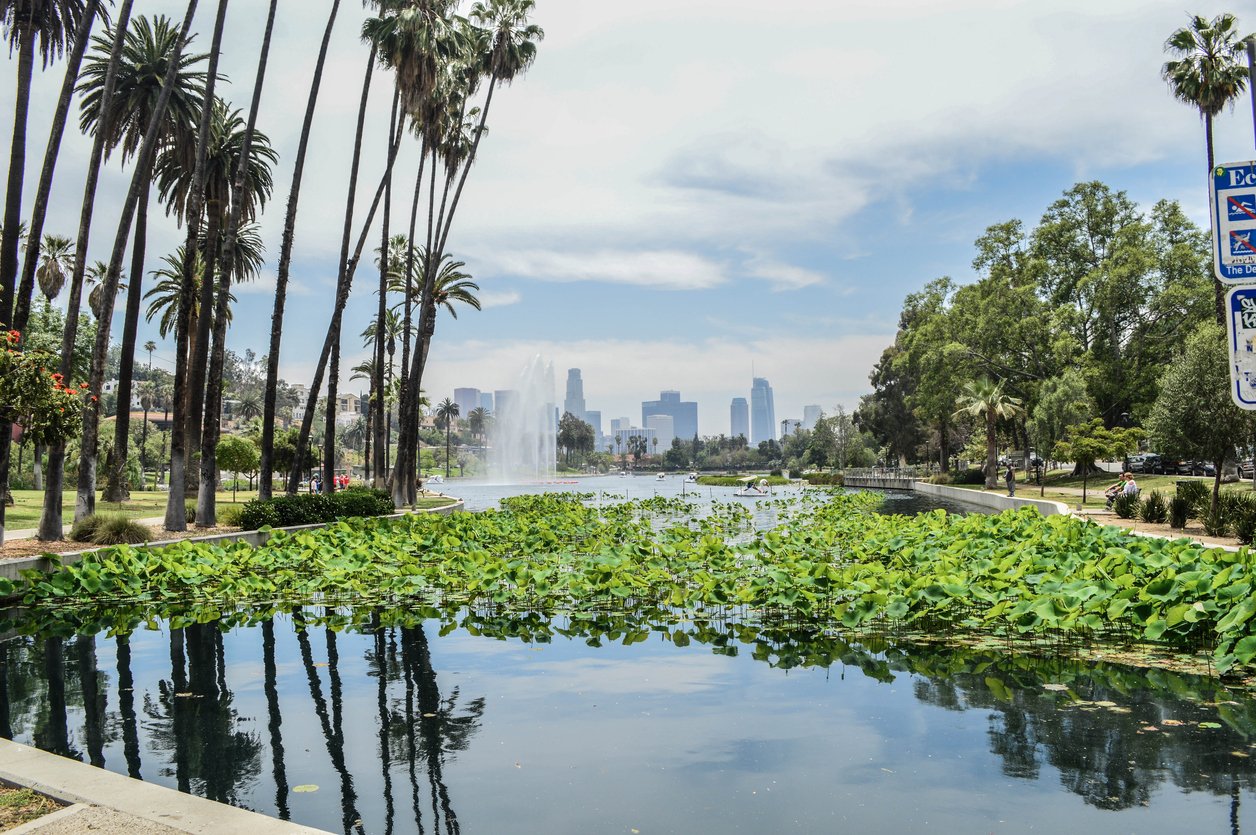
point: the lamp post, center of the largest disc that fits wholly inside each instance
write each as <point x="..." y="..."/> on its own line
<point x="1123" y="421"/>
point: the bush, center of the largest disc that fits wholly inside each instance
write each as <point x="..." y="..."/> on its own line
<point x="315" y="508"/>
<point x="189" y="512"/>
<point x="1153" y="508"/>
<point x="230" y="516"/>
<point x="1125" y="505"/>
<point x="119" y="530"/>
<point x="1243" y="516"/>
<point x="1179" y="511"/>
<point x="1197" y="496"/>
<point x="777" y="472"/>
<point x="974" y="475"/>
<point x="84" y="529"/>
<point x="818" y="479"/>
<point x="941" y="478"/>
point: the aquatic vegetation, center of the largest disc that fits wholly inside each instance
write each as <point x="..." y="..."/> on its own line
<point x="828" y="560"/>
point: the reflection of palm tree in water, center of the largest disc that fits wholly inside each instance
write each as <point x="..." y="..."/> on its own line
<point x="274" y="720"/>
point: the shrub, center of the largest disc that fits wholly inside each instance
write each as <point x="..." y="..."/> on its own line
<point x="1153" y="508"/>
<point x="84" y="529"/>
<point x="362" y="501"/>
<point x="1243" y="517"/>
<point x="1197" y="497"/>
<point x="1125" y="505"/>
<point x="1179" y="510"/>
<point x="118" y="530"/>
<point x="313" y="509"/>
<point x="189" y="512"/>
<point x="817" y="479"/>
<point x="259" y="513"/>
<point x="974" y="475"/>
<point x="941" y="478"/>
<point x="776" y="472"/>
<point x="230" y="516"/>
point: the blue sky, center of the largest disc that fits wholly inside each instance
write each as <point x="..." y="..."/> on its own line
<point x="680" y="189"/>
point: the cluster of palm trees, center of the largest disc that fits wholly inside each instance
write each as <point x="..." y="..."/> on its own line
<point x="144" y="96"/>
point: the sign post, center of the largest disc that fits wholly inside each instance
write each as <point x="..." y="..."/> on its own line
<point x="1232" y="192"/>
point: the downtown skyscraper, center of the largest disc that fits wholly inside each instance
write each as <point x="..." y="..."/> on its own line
<point x="762" y="412"/>
<point x="574" y="401"/>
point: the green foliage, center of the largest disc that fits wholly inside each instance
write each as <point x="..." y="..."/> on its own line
<point x="1153" y="509"/>
<point x="1125" y="505"/>
<point x="316" y="508"/>
<point x="115" y="529"/>
<point x="831" y="479"/>
<point x="229" y="515"/>
<point x="84" y="529"/>
<point x="34" y="396"/>
<point x="1179" y="512"/>
<point x="1086" y="443"/>
<point x="1195" y="495"/>
<point x="1241" y="509"/>
<point x="777" y="480"/>
<point x="973" y="475"/>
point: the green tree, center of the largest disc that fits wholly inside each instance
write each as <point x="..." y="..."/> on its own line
<point x="1086" y="443"/>
<point x="239" y="455"/>
<point x="1194" y="416"/>
<point x="985" y="398"/>
<point x="446" y="415"/>
<point x="1062" y="402"/>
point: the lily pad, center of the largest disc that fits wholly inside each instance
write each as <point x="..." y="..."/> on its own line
<point x="304" y="788"/>
<point x="1210" y="726"/>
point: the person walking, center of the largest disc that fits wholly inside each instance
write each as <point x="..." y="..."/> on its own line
<point x="1010" y="478"/>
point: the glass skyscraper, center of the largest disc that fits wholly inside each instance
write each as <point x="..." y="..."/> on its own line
<point x="574" y="402"/>
<point x="762" y="412"/>
<point x="739" y="418"/>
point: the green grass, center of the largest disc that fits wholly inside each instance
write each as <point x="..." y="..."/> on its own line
<point x="1057" y="479"/>
<point x="739" y="481"/>
<point x="143" y="505"/>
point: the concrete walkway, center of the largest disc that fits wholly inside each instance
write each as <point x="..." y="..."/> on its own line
<point x="102" y="801"/>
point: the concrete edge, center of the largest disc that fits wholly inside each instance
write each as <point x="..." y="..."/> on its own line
<point x="70" y="781"/>
<point x="992" y="500"/>
<point x="11" y="569"/>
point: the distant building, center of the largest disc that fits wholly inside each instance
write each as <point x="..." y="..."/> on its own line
<point x="620" y="423"/>
<point x="467" y="400"/>
<point x="503" y="400"/>
<point x="111" y="387"/>
<point x="684" y="414"/>
<point x="811" y="416"/>
<point x="486" y="401"/>
<point x="664" y="429"/>
<point x="594" y="419"/>
<point x="620" y="438"/>
<point x="302" y="393"/>
<point x="762" y="412"/>
<point x="349" y="407"/>
<point x="574" y="402"/>
<point x="739" y="418"/>
<point x="790" y="426"/>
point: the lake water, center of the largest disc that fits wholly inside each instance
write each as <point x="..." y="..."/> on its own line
<point x="482" y="722"/>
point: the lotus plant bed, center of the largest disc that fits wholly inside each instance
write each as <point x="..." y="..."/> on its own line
<point x="831" y="560"/>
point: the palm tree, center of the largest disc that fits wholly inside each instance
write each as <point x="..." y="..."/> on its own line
<point x="446" y="414"/>
<point x="267" y="466"/>
<point x="52" y="151"/>
<point x="477" y="422"/>
<point x="94" y="276"/>
<point x="149" y="394"/>
<point x="1207" y="73"/>
<point x="150" y="346"/>
<point x="56" y="260"/>
<point x="29" y="26"/>
<point x="983" y="397"/>
<point x="156" y="91"/>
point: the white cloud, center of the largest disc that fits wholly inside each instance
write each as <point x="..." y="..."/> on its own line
<point x="782" y="276"/>
<point x="664" y="270"/>
<point x="499" y="298"/>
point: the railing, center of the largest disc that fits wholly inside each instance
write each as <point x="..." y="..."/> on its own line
<point x="903" y="473"/>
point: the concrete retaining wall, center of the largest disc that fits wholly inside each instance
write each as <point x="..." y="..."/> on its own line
<point x="987" y="499"/>
<point x="11" y="569"/>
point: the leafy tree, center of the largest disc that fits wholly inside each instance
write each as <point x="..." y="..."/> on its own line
<point x="574" y="436"/>
<point x="1086" y="443"/>
<point x="886" y="413"/>
<point x="1062" y="402"/>
<point x="637" y="447"/>
<point x="239" y="455"/>
<point x="1194" y="416"/>
<point x="985" y="398"/>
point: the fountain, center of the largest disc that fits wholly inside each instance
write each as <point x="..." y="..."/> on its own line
<point x="524" y="433"/>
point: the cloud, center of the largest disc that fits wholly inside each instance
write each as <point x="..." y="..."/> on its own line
<point x="663" y="270"/>
<point x="783" y="276"/>
<point x="499" y="298"/>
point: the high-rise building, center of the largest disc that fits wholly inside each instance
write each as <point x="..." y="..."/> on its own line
<point x="504" y="400"/>
<point x="664" y="429"/>
<point x="574" y="402"/>
<point x="762" y="412"/>
<point x="620" y="423"/>
<point x="467" y="400"/>
<point x="594" y="419"/>
<point x="811" y="416"/>
<point x="486" y="401"/>
<point x="684" y="414"/>
<point x="739" y="418"/>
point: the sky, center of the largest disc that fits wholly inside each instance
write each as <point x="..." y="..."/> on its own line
<point x="681" y="194"/>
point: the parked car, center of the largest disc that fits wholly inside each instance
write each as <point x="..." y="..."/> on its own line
<point x="1247" y="468"/>
<point x="1151" y="463"/>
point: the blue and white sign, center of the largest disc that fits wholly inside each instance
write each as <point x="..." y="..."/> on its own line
<point x="1233" y="190"/>
<point x="1241" y="330"/>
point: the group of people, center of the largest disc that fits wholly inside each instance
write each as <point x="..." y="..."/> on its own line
<point x="1125" y="486"/>
<point x="316" y="482"/>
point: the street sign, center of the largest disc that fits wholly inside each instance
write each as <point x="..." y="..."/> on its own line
<point x="1232" y="188"/>
<point x="1241" y="331"/>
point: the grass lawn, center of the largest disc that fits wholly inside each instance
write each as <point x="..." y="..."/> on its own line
<point x="143" y="504"/>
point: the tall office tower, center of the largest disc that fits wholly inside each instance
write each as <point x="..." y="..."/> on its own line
<point x="467" y="400"/>
<point x="739" y="418"/>
<point x="811" y="416"/>
<point x="620" y="423"/>
<point x="762" y="412"/>
<point x="504" y="400"/>
<point x="684" y="414"/>
<point x="574" y="402"/>
<point x="486" y="401"/>
<point x="594" y="419"/>
<point x="664" y="429"/>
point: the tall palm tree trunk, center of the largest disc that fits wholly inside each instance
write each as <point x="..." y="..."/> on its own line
<point x="12" y="221"/>
<point x="35" y="228"/>
<point x="85" y="501"/>
<point x="381" y="313"/>
<point x="992" y="452"/>
<point x="117" y="488"/>
<point x="267" y="466"/>
<point x="50" y="520"/>
<point x="198" y="348"/>
<point x="1218" y="289"/>
<point x="206" y="499"/>
<point x="396" y="480"/>
<point x="188" y="400"/>
<point x="329" y="423"/>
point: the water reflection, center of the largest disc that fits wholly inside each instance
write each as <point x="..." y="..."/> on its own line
<point x="352" y="703"/>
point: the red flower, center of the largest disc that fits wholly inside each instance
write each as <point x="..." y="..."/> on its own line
<point x="82" y="385"/>
<point x="95" y="399"/>
<point x="58" y="377"/>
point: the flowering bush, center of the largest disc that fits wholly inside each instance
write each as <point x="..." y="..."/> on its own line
<point x="39" y="400"/>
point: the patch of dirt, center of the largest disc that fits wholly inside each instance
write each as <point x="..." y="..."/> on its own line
<point x="18" y="548"/>
<point x="1193" y="530"/>
<point x="17" y="806"/>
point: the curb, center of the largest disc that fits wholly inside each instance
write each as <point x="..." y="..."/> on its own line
<point x="82" y="786"/>
<point x="1046" y="507"/>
